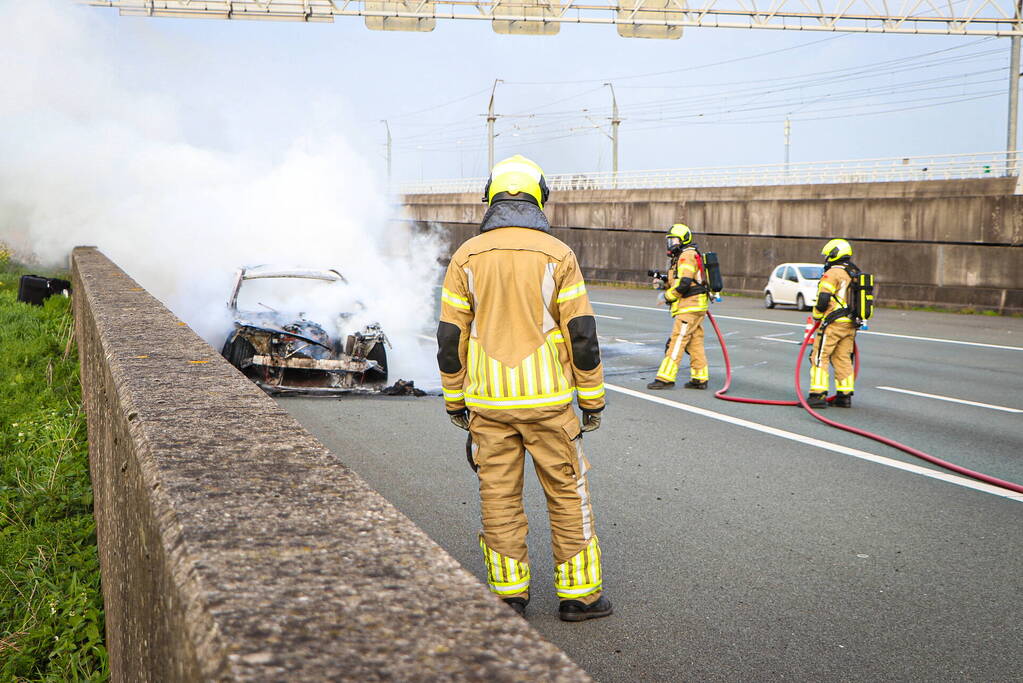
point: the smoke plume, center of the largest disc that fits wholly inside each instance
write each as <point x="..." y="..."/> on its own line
<point x="92" y="153"/>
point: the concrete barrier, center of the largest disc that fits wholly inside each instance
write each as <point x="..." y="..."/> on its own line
<point x="948" y="243"/>
<point x="954" y="276"/>
<point x="981" y="211"/>
<point x="235" y="547"/>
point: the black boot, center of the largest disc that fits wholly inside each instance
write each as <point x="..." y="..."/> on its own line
<point x="574" y="610"/>
<point x="843" y="399"/>
<point x="819" y="401"/>
<point x="517" y="604"/>
<point x="696" y="384"/>
<point x="660" y="384"/>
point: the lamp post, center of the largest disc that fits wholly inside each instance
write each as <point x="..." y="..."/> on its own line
<point x="384" y="121"/>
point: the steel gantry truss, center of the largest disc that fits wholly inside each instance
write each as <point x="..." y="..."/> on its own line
<point x="633" y="18"/>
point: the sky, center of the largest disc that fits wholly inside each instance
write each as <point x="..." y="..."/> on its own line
<point x="718" y="96"/>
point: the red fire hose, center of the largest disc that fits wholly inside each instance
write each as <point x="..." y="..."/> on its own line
<point x="994" y="481"/>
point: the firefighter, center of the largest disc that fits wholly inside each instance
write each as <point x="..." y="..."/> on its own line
<point x="516" y="342"/>
<point x="687" y="296"/>
<point x="836" y="336"/>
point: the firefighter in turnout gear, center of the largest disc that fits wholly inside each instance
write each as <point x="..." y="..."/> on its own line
<point x="687" y="294"/>
<point x="836" y="336"/>
<point x="517" y="340"/>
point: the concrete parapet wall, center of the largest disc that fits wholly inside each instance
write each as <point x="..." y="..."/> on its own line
<point x="235" y="547"/>
<point x="908" y="274"/>
<point x="983" y="211"/>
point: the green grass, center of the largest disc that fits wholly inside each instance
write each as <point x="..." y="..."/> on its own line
<point x="51" y="610"/>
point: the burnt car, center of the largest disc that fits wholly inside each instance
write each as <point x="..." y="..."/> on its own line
<point x="293" y="334"/>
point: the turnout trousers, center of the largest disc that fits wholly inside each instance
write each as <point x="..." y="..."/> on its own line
<point x="834" y="345"/>
<point x="555" y="444"/>
<point x="686" y="337"/>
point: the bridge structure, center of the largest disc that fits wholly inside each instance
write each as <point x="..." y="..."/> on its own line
<point x="936" y="231"/>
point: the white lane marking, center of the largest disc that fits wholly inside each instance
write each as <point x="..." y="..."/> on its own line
<point x="779" y="334"/>
<point x="609" y="317"/>
<point x="626" y="341"/>
<point x="785" y="341"/>
<point x="877" y="334"/>
<point x="826" y="445"/>
<point x="953" y="400"/>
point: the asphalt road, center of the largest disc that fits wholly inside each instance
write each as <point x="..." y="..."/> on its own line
<point x="750" y="542"/>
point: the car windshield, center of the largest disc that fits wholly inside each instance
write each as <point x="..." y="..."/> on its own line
<point x="292" y="295"/>
<point x="811" y="272"/>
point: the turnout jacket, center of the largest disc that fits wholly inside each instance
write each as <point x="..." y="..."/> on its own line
<point x="834" y="282"/>
<point x="687" y="267"/>
<point x="517" y="338"/>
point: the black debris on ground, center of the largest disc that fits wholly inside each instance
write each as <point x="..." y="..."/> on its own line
<point x="402" y="388"/>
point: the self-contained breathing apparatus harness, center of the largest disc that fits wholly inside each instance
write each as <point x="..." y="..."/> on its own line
<point x="859" y="298"/>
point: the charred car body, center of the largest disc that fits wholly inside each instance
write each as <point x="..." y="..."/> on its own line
<point x="285" y="348"/>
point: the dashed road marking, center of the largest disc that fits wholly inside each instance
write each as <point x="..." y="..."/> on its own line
<point x="876" y="334"/>
<point x="826" y="445"/>
<point x="784" y="341"/>
<point x="953" y="400"/>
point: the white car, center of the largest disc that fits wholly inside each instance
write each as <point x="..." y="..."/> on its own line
<point x="793" y="283"/>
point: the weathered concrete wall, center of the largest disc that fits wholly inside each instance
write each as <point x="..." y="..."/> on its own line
<point x="922" y="274"/>
<point x="235" y="547"/>
<point x="955" y="243"/>
<point x="977" y="211"/>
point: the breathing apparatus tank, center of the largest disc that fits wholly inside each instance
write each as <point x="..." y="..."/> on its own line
<point x="713" y="271"/>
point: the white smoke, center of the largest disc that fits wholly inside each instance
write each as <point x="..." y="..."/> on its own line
<point x="87" y="156"/>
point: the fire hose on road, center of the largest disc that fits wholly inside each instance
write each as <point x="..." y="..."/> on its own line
<point x="721" y="394"/>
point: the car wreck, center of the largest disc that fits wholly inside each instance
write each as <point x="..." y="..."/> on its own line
<point x="292" y="336"/>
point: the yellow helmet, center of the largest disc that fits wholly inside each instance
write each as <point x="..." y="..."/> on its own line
<point x="514" y="176"/>
<point x="679" y="235"/>
<point x="836" y="250"/>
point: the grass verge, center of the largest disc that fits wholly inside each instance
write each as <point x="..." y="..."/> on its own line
<point x="51" y="610"/>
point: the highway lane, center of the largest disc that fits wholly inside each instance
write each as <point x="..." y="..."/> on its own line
<point x="984" y="439"/>
<point x="732" y="554"/>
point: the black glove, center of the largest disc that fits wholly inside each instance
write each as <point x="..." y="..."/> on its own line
<point x="460" y="418"/>
<point x="591" y="421"/>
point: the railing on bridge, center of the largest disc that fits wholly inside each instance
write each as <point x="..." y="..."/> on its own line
<point x="943" y="167"/>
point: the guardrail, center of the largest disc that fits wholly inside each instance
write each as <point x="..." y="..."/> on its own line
<point x="889" y="169"/>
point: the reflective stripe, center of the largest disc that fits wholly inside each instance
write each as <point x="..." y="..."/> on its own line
<point x="591" y="392"/>
<point x="582" y="491"/>
<point x="581" y="575"/>
<point x="828" y="286"/>
<point x="453" y="395"/>
<point x="505" y="575"/>
<point x="515" y="403"/>
<point x="573" y="292"/>
<point x="529" y="372"/>
<point x="453" y="299"/>
<point x="668" y="370"/>
<point x="677" y="348"/>
<point x="686" y="266"/>
<point x="496" y="385"/>
<point x="701" y="374"/>
<point x="513" y="383"/>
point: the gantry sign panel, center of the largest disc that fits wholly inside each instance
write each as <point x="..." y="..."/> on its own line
<point x="667" y="26"/>
<point x="633" y="18"/>
<point x="418" y="15"/>
<point x="534" y="20"/>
